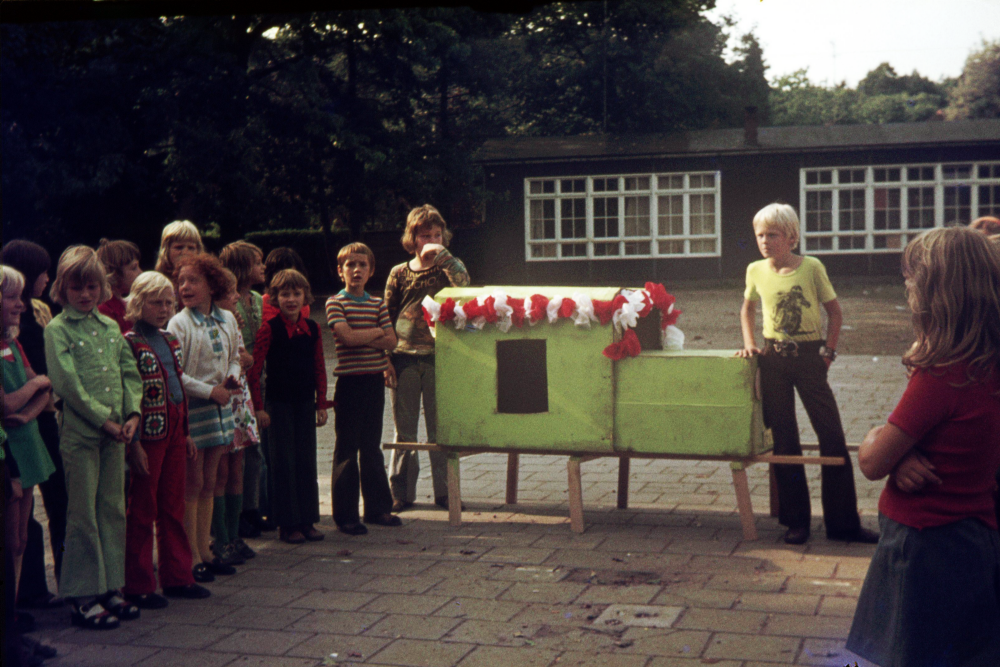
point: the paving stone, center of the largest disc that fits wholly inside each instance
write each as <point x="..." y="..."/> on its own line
<point x="852" y="569"/>
<point x="837" y="606"/>
<point x="406" y="604"/>
<point x="778" y="602"/>
<point x="270" y="661"/>
<point x="342" y="600"/>
<point x="263" y="618"/>
<point x="493" y="656"/>
<point x="640" y="594"/>
<point x="831" y="627"/>
<point x="410" y="626"/>
<point x="630" y="543"/>
<point x="193" y="611"/>
<point x="177" y="635"/>
<point x="519" y="555"/>
<point x="811" y="586"/>
<point x="184" y="658"/>
<point x="725" y="620"/>
<point x="266" y="597"/>
<point x="418" y="653"/>
<point x="829" y="653"/>
<point x="574" y="615"/>
<point x="126" y="633"/>
<point x="340" y="622"/>
<point x="337" y="581"/>
<point x="403" y="584"/>
<point x="529" y="573"/>
<point x="475" y="608"/>
<point x="492" y="633"/>
<point x="99" y="655"/>
<point x="470" y="587"/>
<point x="753" y="647"/>
<point x="660" y="661"/>
<point x="697" y="597"/>
<point x="603" y="658"/>
<point x="349" y="648"/>
<point x="543" y="592"/>
<point x="677" y="643"/>
<point x="804" y="567"/>
<point x="261" y="642"/>
<point x="638" y="616"/>
<point x="755" y="582"/>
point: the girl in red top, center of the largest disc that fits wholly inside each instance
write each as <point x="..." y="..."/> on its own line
<point x="932" y="593"/>
<point x="121" y="261"/>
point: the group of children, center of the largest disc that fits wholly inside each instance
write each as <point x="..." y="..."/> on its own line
<point x="181" y="373"/>
<point x="209" y="372"/>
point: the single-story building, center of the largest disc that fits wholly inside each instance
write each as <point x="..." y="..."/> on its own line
<point x="613" y="210"/>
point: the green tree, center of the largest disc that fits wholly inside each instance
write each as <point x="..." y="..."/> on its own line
<point x="976" y="94"/>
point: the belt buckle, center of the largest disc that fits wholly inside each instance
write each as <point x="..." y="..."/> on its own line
<point x="786" y="348"/>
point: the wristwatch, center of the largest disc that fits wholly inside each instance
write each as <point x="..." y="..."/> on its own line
<point x="828" y="353"/>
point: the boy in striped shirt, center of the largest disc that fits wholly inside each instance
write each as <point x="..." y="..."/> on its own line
<point x="364" y="334"/>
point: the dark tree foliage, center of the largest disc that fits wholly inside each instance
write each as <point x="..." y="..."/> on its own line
<point x="339" y="119"/>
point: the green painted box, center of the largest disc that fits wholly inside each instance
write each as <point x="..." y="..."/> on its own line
<point x="570" y="397"/>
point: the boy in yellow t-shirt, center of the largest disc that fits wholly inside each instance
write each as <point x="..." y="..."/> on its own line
<point x="796" y="356"/>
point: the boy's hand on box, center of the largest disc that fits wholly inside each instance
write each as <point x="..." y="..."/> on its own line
<point x="192" y="451"/>
<point x="747" y="352"/>
<point x="321" y="417"/>
<point x="263" y="419"/>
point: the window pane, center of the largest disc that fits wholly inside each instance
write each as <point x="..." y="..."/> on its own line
<point x="671" y="247"/>
<point x="637" y="216"/>
<point x="605" y="216"/>
<point x="884" y="175"/>
<point x="702" y="214"/>
<point x="540" y="250"/>
<point x="954" y="172"/>
<point x="637" y="182"/>
<point x="637" y="248"/>
<point x="702" y="245"/>
<point x="574" y="218"/>
<point x="670" y="221"/>
<point x="819" y="211"/>
<point x="850" y="242"/>
<point x="887" y="215"/>
<point x="606" y="249"/>
<point x="957" y="204"/>
<point x="822" y="243"/>
<point x="819" y="177"/>
<point x="888" y="242"/>
<point x="606" y="184"/>
<point x="543" y="219"/>
<point x="573" y="185"/>
<point x="989" y="200"/>
<point x="574" y="249"/>
<point x="708" y="181"/>
<point x="920" y="208"/>
<point x="852" y="210"/>
<point x="920" y="174"/>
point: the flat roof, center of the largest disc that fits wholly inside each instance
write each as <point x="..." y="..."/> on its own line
<point x="789" y="139"/>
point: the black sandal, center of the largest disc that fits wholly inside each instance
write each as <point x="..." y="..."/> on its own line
<point x="93" y="616"/>
<point x="119" y="606"/>
<point x="201" y="574"/>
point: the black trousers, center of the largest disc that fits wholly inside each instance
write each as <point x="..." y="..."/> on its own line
<point x="292" y="462"/>
<point x="358" y="463"/>
<point x="32" y="583"/>
<point x="780" y="378"/>
<point x="10" y="645"/>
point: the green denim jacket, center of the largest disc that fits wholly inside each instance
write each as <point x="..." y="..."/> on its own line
<point x="93" y="370"/>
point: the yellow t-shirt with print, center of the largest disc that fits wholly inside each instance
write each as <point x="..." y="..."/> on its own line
<point x="792" y="301"/>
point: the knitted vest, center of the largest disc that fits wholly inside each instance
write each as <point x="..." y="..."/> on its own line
<point x="154" y="383"/>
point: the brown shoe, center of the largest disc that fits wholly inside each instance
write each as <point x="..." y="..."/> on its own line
<point x="401" y="505"/>
<point x="293" y="536"/>
<point x="311" y="534"/>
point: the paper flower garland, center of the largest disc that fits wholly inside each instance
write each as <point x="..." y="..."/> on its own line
<point x="623" y="311"/>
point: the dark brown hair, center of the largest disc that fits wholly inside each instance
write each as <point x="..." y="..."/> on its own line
<point x="423" y="218"/>
<point x="240" y="257"/>
<point x="289" y="279"/>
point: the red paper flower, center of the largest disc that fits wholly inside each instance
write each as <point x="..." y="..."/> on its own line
<point x="427" y="318"/>
<point x="567" y="307"/>
<point x="628" y="346"/>
<point x="489" y="309"/>
<point x="517" y="317"/>
<point x="538" y="305"/>
<point x="472" y="310"/>
<point x="447" y="310"/>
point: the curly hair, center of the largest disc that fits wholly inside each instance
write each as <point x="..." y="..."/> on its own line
<point x="953" y="288"/>
<point x="423" y="218"/>
<point x="210" y="267"/>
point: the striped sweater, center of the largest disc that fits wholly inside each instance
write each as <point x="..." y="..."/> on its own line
<point x="363" y="312"/>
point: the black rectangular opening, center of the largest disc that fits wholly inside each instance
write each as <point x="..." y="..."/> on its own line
<point x="647" y="330"/>
<point x="522" y="377"/>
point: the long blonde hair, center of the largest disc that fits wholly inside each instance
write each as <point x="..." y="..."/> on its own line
<point x="178" y="230"/>
<point x="11" y="285"/>
<point x="953" y="288"/>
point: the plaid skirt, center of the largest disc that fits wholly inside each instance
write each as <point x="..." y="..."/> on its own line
<point x="209" y="423"/>
<point x="931" y="597"/>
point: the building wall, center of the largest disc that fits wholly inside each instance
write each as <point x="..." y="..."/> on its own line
<point x="496" y="251"/>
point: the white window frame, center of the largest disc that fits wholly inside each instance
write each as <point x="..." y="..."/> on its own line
<point x="653" y="193"/>
<point x="869" y="186"/>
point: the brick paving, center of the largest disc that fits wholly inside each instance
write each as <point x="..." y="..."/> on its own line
<point x="514" y="586"/>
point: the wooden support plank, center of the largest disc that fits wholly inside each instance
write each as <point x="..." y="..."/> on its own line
<point x="513" y="462"/>
<point x="772" y="484"/>
<point x="454" y="490"/>
<point x="623" y="473"/>
<point x="743" y="503"/>
<point x="575" y="494"/>
<point x="800" y="460"/>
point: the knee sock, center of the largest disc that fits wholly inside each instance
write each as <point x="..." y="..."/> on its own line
<point x="220" y="528"/>
<point x="205" y="528"/>
<point x="234" y="506"/>
<point x="191" y="528"/>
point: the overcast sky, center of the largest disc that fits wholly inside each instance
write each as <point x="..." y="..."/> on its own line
<point x="842" y="40"/>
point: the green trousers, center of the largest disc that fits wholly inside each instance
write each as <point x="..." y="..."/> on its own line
<point x="94" y="561"/>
